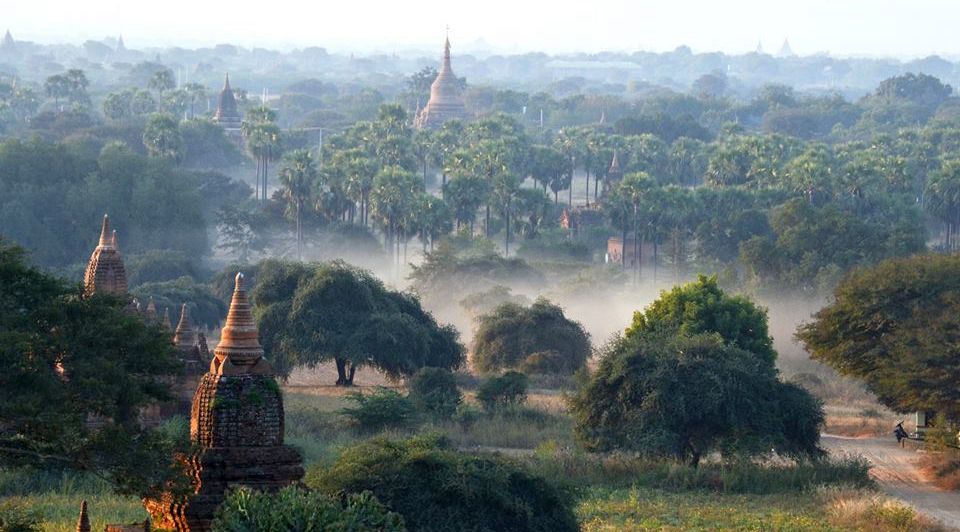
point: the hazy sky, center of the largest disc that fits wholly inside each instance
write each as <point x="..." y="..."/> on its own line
<point x="899" y="28"/>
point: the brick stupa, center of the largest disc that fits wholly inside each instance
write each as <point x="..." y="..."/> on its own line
<point x="446" y="102"/>
<point x="105" y="273"/>
<point x="236" y="423"/>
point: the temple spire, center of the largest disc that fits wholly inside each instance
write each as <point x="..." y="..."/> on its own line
<point x="83" y="522"/>
<point x="238" y="339"/>
<point x="106" y="237"/>
<point x="226" y="82"/>
<point x="186" y="336"/>
<point x="166" y="319"/>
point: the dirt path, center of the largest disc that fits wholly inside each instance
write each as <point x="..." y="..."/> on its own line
<point x="897" y="475"/>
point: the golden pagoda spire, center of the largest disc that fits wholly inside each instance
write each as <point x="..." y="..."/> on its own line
<point x="106" y="239"/>
<point x="239" y="350"/>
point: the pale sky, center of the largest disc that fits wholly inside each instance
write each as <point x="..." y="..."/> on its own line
<point x="898" y="28"/>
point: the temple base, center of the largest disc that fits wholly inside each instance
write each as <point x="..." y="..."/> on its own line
<point x="215" y="471"/>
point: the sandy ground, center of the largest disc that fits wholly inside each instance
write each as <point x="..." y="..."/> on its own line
<point x="896" y="473"/>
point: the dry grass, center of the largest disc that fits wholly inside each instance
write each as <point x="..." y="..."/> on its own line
<point x="868" y="510"/>
<point x="942" y="469"/>
<point x="861" y="419"/>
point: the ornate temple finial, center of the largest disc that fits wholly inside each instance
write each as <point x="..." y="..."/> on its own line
<point x="83" y="522"/>
<point x="238" y="340"/>
<point x="106" y="239"/>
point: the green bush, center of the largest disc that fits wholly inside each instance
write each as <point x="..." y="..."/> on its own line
<point x="507" y="390"/>
<point x="382" y="409"/>
<point x="15" y="516"/>
<point x="434" y="391"/>
<point x="438" y="489"/>
<point x="296" y="510"/>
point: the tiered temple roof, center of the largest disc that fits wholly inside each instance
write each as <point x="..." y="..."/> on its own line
<point x="446" y="102"/>
<point x="105" y="272"/>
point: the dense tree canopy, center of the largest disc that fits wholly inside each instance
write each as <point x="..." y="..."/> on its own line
<point x="536" y="338"/>
<point x="702" y="307"/>
<point x="894" y="326"/>
<point x="684" y="397"/>
<point x="68" y="360"/>
<point x="310" y="313"/>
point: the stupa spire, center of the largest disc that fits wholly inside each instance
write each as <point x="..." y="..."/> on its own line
<point x="186" y="336"/>
<point x="166" y="319"/>
<point x="83" y="522"/>
<point x="239" y="345"/>
<point x="106" y="237"/>
<point x="446" y="102"/>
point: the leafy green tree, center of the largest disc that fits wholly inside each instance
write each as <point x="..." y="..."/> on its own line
<point x="297" y="176"/>
<point x="436" y="488"/>
<point x="309" y="314"/>
<point x="812" y="246"/>
<point x="294" y="509"/>
<point x="162" y="81"/>
<point x="67" y="359"/>
<point x="943" y="199"/>
<point x="701" y="307"/>
<point x="432" y="218"/>
<point x="161" y="136"/>
<point x="391" y="201"/>
<point x="263" y="143"/>
<point x="466" y="193"/>
<point x="685" y="397"/>
<point x="894" y="327"/>
<point x="510" y="335"/>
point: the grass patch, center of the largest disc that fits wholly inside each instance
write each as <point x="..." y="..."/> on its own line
<point x="621" y="471"/>
<point x="605" y="509"/>
<point x="55" y="497"/>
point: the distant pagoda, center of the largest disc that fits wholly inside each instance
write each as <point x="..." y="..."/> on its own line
<point x="227" y="114"/>
<point x="8" y="44"/>
<point x="236" y="426"/>
<point x="105" y="273"/>
<point x="446" y="102"/>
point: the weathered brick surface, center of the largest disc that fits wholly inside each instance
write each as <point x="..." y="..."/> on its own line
<point x="237" y="411"/>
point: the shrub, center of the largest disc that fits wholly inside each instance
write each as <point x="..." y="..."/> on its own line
<point x="15" y="516"/>
<point x="507" y="390"/>
<point x="296" y="510"/>
<point x="382" y="409"/>
<point x="434" y="391"/>
<point x="438" y="489"/>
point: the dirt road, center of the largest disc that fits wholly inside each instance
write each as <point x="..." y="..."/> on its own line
<point x="897" y="475"/>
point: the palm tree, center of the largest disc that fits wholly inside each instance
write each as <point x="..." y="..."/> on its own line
<point x="161" y="137"/>
<point x="297" y="177"/>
